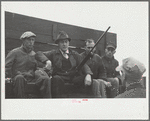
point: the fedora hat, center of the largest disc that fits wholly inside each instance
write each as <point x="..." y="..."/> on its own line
<point x="62" y="36"/>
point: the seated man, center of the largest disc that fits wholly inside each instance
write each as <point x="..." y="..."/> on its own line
<point x="112" y="75"/>
<point x="97" y="67"/>
<point x="132" y="71"/>
<point x="20" y="66"/>
<point x="64" y="61"/>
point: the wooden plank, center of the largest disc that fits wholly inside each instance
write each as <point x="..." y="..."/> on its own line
<point x="47" y="31"/>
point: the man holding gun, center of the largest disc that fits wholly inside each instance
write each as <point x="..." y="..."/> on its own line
<point x="97" y="67"/>
<point x="64" y="62"/>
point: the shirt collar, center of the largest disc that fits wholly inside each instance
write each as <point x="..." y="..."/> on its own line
<point x="134" y="85"/>
<point x="108" y="58"/>
<point x="64" y="52"/>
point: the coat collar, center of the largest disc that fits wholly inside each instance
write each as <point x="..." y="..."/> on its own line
<point x="109" y="59"/>
<point x="134" y="85"/>
<point x="30" y="52"/>
<point x="71" y="58"/>
<point x="58" y="51"/>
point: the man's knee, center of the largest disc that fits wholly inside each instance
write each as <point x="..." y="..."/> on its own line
<point x="18" y="77"/>
<point x="114" y="82"/>
<point x="46" y="79"/>
<point x="56" y="77"/>
<point x="100" y="81"/>
<point x="57" y="80"/>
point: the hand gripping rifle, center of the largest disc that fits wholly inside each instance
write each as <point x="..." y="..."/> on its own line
<point x="78" y="68"/>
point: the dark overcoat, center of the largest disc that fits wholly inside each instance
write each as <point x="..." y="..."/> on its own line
<point x="110" y="65"/>
<point x="96" y="65"/>
<point x="133" y="91"/>
<point x="55" y="56"/>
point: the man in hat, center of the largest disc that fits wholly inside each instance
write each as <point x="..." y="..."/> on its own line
<point x="20" y="66"/>
<point x="132" y="71"/>
<point x="113" y="77"/>
<point x="97" y="67"/>
<point x="64" y="61"/>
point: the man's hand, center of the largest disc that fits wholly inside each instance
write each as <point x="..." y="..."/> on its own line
<point x="7" y="80"/>
<point x="88" y="80"/>
<point x="48" y="65"/>
<point x="108" y="84"/>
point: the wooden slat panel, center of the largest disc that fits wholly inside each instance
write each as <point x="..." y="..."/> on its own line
<point x="111" y="38"/>
<point x="47" y="31"/>
<point x="23" y="23"/>
<point x="39" y="37"/>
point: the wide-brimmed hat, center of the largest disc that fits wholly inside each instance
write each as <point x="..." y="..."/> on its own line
<point x="27" y="35"/>
<point x="62" y="36"/>
<point x="132" y="67"/>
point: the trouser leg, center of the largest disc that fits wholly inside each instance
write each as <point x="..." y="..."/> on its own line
<point x="99" y="88"/>
<point x="95" y="88"/>
<point x="79" y="80"/>
<point x="44" y="85"/>
<point x="114" y="89"/>
<point x="102" y="88"/>
<point x="19" y="86"/>
<point x="57" y="86"/>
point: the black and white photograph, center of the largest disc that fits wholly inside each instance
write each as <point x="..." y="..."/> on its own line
<point x="74" y="60"/>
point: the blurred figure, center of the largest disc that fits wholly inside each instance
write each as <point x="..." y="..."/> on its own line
<point x="132" y="71"/>
<point x="113" y="77"/>
<point x="97" y="67"/>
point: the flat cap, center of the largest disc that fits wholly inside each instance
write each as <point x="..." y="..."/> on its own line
<point x="111" y="45"/>
<point x="27" y="35"/>
<point x="132" y="67"/>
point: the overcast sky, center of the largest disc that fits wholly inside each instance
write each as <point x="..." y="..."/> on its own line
<point x="129" y="20"/>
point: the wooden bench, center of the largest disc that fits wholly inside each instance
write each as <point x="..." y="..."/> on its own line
<point x="31" y="90"/>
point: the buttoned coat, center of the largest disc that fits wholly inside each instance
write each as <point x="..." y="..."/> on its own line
<point x="55" y="56"/>
<point x="96" y="65"/>
<point x="110" y="65"/>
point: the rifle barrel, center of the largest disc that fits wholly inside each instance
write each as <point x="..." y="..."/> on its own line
<point x="88" y="55"/>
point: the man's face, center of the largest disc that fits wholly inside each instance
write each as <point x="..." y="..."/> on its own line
<point x="89" y="47"/>
<point x="29" y="42"/>
<point x="110" y="52"/>
<point x="63" y="44"/>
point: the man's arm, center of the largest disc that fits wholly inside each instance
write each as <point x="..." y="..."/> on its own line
<point x="44" y="57"/>
<point x="9" y="61"/>
<point x="85" y="69"/>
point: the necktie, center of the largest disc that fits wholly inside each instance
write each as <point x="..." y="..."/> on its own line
<point x="66" y="55"/>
